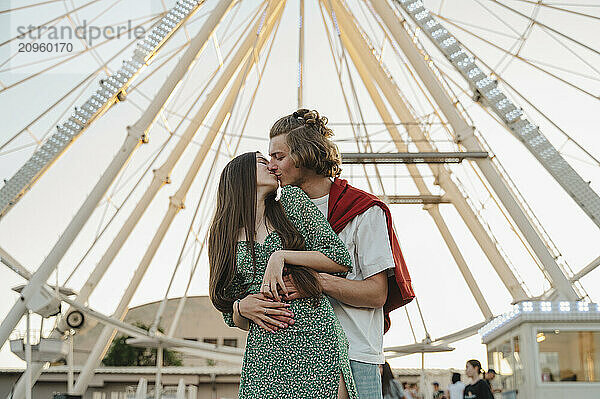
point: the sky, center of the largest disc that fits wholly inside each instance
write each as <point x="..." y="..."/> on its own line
<point x="29" y="231"/>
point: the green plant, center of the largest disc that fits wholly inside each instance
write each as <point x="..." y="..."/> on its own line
<point x="121" y="353"/>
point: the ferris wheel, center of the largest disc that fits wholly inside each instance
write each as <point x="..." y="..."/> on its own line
<point x="427" y="101"/>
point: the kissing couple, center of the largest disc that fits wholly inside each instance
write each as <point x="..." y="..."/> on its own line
<point x="312" y="276"/>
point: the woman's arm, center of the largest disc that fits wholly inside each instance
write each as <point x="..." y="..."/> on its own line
<point x="316" y="231"/>
<point x="234" y="318"/>
<point x="312" y="259"/>
<point x="319" y="239"/>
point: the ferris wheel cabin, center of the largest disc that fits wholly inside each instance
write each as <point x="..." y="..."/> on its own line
<point x="548" y="350"/>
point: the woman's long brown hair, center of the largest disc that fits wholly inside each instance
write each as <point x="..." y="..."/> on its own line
<point x="235" y="210"/>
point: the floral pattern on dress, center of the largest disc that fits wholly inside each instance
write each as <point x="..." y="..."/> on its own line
<point x="305" y="359"/>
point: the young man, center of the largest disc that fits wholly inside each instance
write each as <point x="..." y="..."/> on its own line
<point x="437" y="392"/>
<point x="489" y="377"/>
<point x="302" y="155"/>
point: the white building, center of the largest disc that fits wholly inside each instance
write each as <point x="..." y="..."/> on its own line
<point x="204" y="378"/>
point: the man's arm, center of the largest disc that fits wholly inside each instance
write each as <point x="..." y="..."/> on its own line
<point x="374" y="254"/>
<point x="374" y="258"/>
<point x="268" y="314"/>
<point x="273" y="277"/>
<point x="368" y="293"/>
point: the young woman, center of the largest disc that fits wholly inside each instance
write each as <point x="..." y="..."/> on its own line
<point x="478" y="388"/>
<point x="390" y="388"/>
<point x="253" y="241"/>
<point x="456" y="389"/>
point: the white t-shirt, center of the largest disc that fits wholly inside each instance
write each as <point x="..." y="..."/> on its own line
<point x="366" y="238"/>
<point x="456" y="390"/>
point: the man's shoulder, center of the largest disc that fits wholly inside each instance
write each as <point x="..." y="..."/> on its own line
<point x="361" y="195"/>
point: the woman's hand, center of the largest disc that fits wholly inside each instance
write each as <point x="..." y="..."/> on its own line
<point x="274" y="276"/>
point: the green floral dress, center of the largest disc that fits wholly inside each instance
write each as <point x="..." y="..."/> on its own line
<point x="305" y="359"/>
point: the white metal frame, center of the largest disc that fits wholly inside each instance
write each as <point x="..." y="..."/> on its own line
<point x="111" y="90"/>
<point x="465" y="136"/>
<point x="135" y="136"/>
<point x="381" y="88"/>
<point x="494" y="98"/>
<point x="365" y="61"/>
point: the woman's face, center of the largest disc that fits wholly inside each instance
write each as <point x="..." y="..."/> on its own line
<point x="470" y="370"/>
<point x="282" y="163"/>
<point x="264" y="178"/>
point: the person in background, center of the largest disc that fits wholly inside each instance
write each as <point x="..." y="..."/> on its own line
<point x="407" y="393"/>
<point x="490" y="375"/>
<point x="478" y="388"/>
<point x="437" y="392"/>
<point x="413" y="388"/>
<point x="456" y="389"/>
<point x="390" y="388"/>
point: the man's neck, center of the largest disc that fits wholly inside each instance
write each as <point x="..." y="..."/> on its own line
<point x="260" y="207"/>
<point x="316" y="187"/>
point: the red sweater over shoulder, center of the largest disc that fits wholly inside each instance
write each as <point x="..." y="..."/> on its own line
<point x="345" y="203"/>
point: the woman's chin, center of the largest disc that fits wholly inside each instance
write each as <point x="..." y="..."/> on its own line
<point x="281" y="181"/>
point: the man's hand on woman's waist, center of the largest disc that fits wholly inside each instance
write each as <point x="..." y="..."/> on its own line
<point x="268" y="314"/>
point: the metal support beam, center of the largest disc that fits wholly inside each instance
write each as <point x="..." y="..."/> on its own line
<point x="583" y="272"/>
<point x="210" y="351"/>
<point x="551" y="293"/>
<point x="465" y="136"/>
<point x="134" y="138"/>
<point x="445" y="340"/>
<point x="416" y="199"/>
<point x="412" y="169"/>
<point x="14" y="265"/>
<point x="111" y="90"/>
<point x="410" y="157"/>
<point x="40" y="277"/>
<point x="364" y="58"/>
<point x="492" y="96"/>
<point x="258" y="38"/>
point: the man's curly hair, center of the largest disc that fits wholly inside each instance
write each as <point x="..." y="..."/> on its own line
<point x="308" y="139"/>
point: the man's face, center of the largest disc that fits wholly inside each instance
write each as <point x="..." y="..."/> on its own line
<point x="281" y="164"/>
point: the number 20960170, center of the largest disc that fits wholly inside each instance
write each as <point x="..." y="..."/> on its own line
<point x="45" y="47"/>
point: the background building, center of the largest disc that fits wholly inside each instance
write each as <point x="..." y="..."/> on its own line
<point x="199" y="322"/>
<point x="204" y="378"/>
